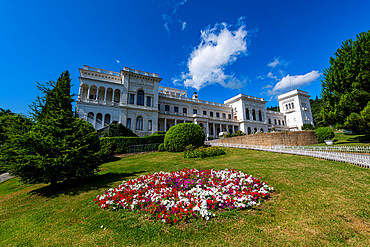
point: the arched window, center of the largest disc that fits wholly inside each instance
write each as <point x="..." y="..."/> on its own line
<point x="255" y="131"/>
<point x="292" y="105"/>
<point x="139" y="123"/>
<point x="107" y="119"/>
<point x="90" y="117"/>
<point x="261" y="130"/>
<point x="259" y="115"/>
<point x="117" y="95"/>
<point x="249" y="131"/>
<point x="109" y="95"/>
<point x="247" y="113"/>
<point x="269" y="120"/>
<point x="140" y="97"/>
<point x="253" y="114"/>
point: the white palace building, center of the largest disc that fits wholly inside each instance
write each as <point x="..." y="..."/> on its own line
<point x="135" y="99"/>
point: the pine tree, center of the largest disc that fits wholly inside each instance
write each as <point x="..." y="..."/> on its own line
<point x="59" y="146"/>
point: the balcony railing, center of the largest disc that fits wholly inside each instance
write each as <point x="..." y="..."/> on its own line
<point x="108" y="72"/>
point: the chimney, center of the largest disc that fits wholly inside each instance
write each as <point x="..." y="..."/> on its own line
<point x="195" y="95"/>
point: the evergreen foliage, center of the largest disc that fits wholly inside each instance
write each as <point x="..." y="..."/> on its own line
<point x="273" y="108"/>
<point x="359" y="122"/>
<point x="316" y="106"/>
<point x="346" y="87"/>
<point x="307" y="127"/>
<point x="161" y="148"/>
<point x="182" y="135"/>
<point x="324" y="133"/>
<point x="116" y="130"/>
<point x="59" y="146"/>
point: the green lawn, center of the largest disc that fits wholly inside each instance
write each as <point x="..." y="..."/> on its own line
<point x="316" y="203"/>
<point x="349" y="140"/>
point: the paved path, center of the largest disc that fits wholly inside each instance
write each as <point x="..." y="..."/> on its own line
<point x="5" y="176"/>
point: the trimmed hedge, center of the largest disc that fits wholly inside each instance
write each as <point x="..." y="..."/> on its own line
<point x="182" y="135"/>
<point x="116" y="130"/>
<point x="119" y="145"/>
<point x="324" y="133"/>
<point x="159" y="133"/>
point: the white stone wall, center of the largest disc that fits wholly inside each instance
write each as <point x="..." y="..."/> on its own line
<point x="106" y="96"/>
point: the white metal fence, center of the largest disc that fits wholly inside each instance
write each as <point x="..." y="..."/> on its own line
<point x="352" y="155"/>
<point x="143" y="148"/>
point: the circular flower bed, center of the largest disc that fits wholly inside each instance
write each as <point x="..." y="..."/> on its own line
<point x="189" y="193"/>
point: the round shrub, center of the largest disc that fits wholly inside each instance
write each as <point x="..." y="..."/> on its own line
<point x="161" y="147"/>
<point x="182" y="135"/>
<point x="324" y="133"/>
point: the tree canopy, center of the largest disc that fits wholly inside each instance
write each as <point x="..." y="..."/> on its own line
<point x="59" y="146"/>
<point x="346" y="87"/>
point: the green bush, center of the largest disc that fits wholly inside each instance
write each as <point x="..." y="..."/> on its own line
<point x="159" y="133"/>
<point x="116" y="130"/>
<point x="182" y="135"/>
<point x="58" y="146"/>
<point x="324" y="133"/>
<point x="307" y="127"/>
<point x="119" y="145"/>
<point x="161" y="147"/>
<point x="201" y="152"/>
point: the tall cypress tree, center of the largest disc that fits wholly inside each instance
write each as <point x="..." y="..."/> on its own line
<point x="59" y="146"/>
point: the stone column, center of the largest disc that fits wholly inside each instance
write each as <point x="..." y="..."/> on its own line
<point x="105" y="95"/>
<point x="175" y="121"/>
<point x="88" y="94"/>
<point x="214" y="129"/>
<point x="227" y="128"/>
<point x="165" y="124"/>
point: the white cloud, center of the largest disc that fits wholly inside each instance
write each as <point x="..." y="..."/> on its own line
<point x="277" y="62"/>
<point x="219" y="47"/>
<point x="183" y="25"/>
<point x="272" y="76"/>
<point x="117" y="61"/>
<point x="295" y="81"/>
<point x="274" y="63"/>
<point x="167" y="18"/>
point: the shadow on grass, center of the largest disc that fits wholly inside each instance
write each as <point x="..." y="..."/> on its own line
<point x="359" y="139"/>
<point x="76" y="187"/>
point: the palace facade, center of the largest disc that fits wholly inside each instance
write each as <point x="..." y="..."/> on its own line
<point x="135" y="99"/>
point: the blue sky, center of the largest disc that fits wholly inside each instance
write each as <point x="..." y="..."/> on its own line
<point x="218" y="48"/>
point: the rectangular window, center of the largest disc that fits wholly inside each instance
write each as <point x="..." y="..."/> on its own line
<point x="275" y="121"/>
<point x="166" y="108"/>
<point x="150" y="125"/>
<point x="205" y="113"/>
<point x="195" y="111"/>
<point x="217" y="114"/>
<point x="279" y="122"/>
<point x="159" y="107"/>
<point x="176" y="109"/>
<point x="185" y="110"/>
<point x="229" y="116"/>
<point x="223" y="115"/>
<point x="128" y="124"/>
<point x="283" y="122"/>
<point x="148" y="101"/>
<point x="139" y="123"/>
<point x="211" y="113"/>
<point x="132" y="99"/>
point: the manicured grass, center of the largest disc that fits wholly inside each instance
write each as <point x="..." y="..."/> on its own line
<point x="316" y="203"/>
<point x="349" y="140"/>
